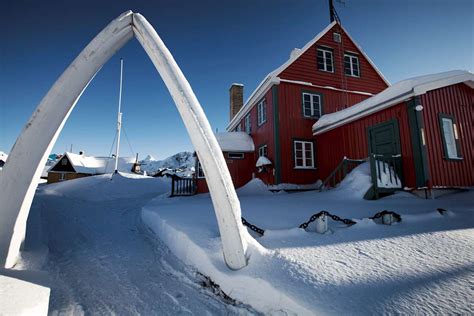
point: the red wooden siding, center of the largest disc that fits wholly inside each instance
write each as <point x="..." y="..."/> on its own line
<point x="458" y="101"/>
<point x="305" y="67"/>
<point x="241" y="171"/>
<point x="293" y="125"/>
<point x="350" y="140"/>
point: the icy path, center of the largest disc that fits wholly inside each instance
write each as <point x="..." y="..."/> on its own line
<point x="103" y="261"/>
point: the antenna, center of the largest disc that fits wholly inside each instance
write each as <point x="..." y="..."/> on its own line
<point x="332" y="16"/>
<point x="119" y="118"/>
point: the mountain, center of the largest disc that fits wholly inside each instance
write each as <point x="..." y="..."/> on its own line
<point x="181" y="164"/>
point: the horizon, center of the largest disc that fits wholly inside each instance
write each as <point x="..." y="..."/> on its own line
<point x="396" y="36"/>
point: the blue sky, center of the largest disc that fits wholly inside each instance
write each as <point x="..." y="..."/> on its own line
<point x="215" y="43"/>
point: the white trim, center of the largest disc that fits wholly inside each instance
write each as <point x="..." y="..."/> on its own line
<point x="303" y="151"/>
<point x="263" y="148"/>
<point x="325" y="87"/>
<point x="406" y="89"/>
<point x="325" y="59"/>
<point x="262" y="112"/>
<point x="351" y="64"/>
<point x="312" y="108"/>
<point x="248" y="123"/>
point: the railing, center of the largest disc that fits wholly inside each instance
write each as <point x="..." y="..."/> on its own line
<point x="342" y="169"/>
<point x="386" y="172"/>
<point x="183" y="186"/>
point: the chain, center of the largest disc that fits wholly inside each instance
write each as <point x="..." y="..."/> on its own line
<point x="314" y="217"/>
<point x="253" y="227"/>
<point x="397" y="217"/>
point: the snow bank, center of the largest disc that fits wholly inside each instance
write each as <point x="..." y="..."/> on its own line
<point x="357" y="182"/>
<point x="254" y="187"/>
<point x="235" y="142"/>
<point x="421" y="265"/>
<point x="109" y="187"/>
<point x="20" y="295"/>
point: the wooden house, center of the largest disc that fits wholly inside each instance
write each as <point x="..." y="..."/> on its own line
<point x="425" y="122"/>
<point x="331" y="72"/>
<point x="73" y="166"/>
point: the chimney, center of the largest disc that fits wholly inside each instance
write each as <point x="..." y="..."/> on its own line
<point x="236" y="93"/>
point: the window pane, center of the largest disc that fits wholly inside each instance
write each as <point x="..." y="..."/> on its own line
<point x="449" y="138"/>
<point x="298" y="146"/>
<point x="299" y="162"/>
<point x="309" y="162"/>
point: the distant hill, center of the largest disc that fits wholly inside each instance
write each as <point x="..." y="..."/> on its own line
<point x="181" y="164"/>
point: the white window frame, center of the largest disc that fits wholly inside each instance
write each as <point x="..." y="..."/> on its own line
<point x="235" y="155"/>
<point x="263" y="151"/>
<point x="262" y="112"/>
<point x="200" y="172"/>
<point x="325" y="59"/>
<point x="248" y="124"/>
<point x="352" y="65"/>
<point x="62" y="176"/>
<point x="451" y="137"/>
<point x="303" y="152"/>
<point x="312" y="96"/>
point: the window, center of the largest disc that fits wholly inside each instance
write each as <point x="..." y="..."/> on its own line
<point x="311" y="105"/>
<point x="63" y="161"/>
<point x="449" y="132"/>
<point x="336" y="37"/>
<point x="248" y="124"/>
<point x="303" y="154"/>
<point x="262" y="112"/>
<point x="325" y="60"/>
<point x="351" y="65"/>
<point x="235" y="155"/>
<point x="263" y="151"/>
<point x="239" y="128"/>
<point x="200" y="172"/>
<point x="62" y="176"/>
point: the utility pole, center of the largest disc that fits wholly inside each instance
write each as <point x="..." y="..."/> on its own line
<point x="119" y="117"/>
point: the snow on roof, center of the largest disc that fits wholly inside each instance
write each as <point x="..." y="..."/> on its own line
<point x="97" y="165"/>
<point x="272" y="78"/>
<point x="393" y="95"/>
<point x="263" y="161"/>
<point x="235" y="141"/>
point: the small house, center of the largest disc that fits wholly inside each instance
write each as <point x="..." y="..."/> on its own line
<point x="73" y="166"/>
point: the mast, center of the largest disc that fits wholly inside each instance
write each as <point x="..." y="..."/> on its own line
<point x="119" y="118"/>
<point x="331" y="10"/>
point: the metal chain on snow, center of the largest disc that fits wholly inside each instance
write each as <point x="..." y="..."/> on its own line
<point x="396" y="216"/>
<point x="252" y="227"/>
<point x="314" y="217"/>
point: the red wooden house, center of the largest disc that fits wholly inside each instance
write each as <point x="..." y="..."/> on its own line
<point x="329" y="101"/>
<point x="330" y="73"/>
<point x="425" y="122"/>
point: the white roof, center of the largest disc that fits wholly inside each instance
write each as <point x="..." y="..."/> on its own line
<point x="263" y="161"/>
<point x="235" y="141"/>
<point x="272" y="78"/>
<point x="97" y="165"/>
<point x="393" y="95"/>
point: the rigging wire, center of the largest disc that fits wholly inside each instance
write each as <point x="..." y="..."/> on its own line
<point x="128" y="140"/>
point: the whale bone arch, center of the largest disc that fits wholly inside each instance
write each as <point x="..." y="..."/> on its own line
<point x="20" y="174"/>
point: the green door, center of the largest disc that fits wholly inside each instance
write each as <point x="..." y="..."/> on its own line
<point x="384" y="139"/>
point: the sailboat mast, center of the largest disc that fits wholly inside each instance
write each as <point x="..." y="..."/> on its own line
<point x="119" y="118"/>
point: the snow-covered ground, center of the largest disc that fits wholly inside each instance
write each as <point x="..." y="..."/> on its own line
<point x="87" y="235"/>
<point x="422" y="265"/>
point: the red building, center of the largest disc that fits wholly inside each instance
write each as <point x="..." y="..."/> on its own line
<point x="331" y="74"/>
<point x="425" y="122"/>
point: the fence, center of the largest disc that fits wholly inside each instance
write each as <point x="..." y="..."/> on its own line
<point x="183" y="186"/>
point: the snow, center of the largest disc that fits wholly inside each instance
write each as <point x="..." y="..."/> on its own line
<point x="235" y="142"/>
<point x="393" y="95"/>
<point x="181" y="164"/>
<point x="3" y="156"/>
<point x="387" y="177"/>
<point x="22" y="294"/>
<point x="86" y="236"/>
<point x="422" y="265"/>
<point x="98" y="165"/>
<point x="262" y="161"/>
